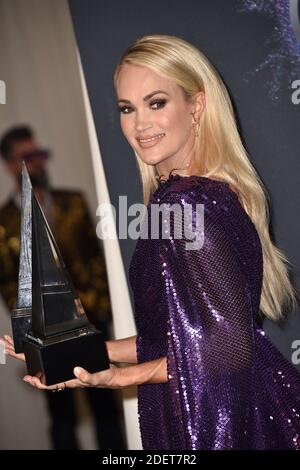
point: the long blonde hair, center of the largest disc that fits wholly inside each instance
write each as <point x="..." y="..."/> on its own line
<point x="219" y="148"/>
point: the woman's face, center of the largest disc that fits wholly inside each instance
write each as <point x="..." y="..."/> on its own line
<point x="155" y="117"/>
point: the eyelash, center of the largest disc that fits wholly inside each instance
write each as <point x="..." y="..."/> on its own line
<point x="161" y="102"/>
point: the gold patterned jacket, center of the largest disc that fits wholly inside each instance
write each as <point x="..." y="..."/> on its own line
<point x="76" y="238"/>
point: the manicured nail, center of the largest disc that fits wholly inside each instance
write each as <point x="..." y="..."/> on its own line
<point x="77" y="371"/>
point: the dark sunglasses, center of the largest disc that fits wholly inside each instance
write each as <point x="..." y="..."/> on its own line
<point x="39" y="154"/>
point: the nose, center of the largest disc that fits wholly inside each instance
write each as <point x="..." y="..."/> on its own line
<point x="142" y="121"/>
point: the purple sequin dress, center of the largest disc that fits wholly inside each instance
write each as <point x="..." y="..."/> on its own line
<point x="229" y="387"/>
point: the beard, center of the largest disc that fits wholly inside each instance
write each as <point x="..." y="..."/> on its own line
<point x="38" y="180"/>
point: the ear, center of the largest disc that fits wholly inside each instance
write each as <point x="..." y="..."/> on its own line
<point x="198" y="103"/>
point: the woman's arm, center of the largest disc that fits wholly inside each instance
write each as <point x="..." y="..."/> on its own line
<point x="122" y="350"/>
<point x="151" y="372"/>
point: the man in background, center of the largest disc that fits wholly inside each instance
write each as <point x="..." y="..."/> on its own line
<point x="70" y="222"/>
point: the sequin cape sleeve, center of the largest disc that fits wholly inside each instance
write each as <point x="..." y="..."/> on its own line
<point x="210" y="350"/>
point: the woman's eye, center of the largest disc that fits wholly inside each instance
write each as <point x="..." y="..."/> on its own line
<point x="157" y="104"/>
<point x="124" y="109"/>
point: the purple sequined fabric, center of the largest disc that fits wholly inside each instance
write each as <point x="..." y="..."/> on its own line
<point x="229" y="387"/>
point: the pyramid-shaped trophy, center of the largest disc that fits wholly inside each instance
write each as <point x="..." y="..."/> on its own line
<point x="60" y="336"/>
<point x="21" y="316"/>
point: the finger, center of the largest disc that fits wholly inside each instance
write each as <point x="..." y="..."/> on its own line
<point x="84" y="376"/>
<point x="74" y="383"/>
<point x="12" y="353"/>
<point x="41" y="376"/>
<point x="35" y="381"/>
<point x="6" y="343"/>
<point x="9" y="340"/>
<point x="8" y="347"/>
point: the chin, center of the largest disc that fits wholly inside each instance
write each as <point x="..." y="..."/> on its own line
<point x="153" y="159"/>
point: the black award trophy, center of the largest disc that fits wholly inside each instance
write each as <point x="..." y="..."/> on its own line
<point x="21" y="316"/>
<point x="60" y="336"/>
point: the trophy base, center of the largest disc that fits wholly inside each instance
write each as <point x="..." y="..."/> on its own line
<point x="56" y="357"/>
<point x="21" y="324"/>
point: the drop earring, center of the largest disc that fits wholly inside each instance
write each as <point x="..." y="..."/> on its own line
<point x="196" y="125"/>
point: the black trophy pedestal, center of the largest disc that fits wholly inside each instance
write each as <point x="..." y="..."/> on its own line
<point x="21" y="324"/>
<point x="57" y="356"/>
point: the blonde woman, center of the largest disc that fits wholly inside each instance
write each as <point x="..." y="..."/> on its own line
<point x="208" y="376"/>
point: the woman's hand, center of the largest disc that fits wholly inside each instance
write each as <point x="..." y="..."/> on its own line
<point x="105" y="379"/>
<point x="10" y="348"/>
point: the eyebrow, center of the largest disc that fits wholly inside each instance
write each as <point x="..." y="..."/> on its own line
<point x="147" y="97"/>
